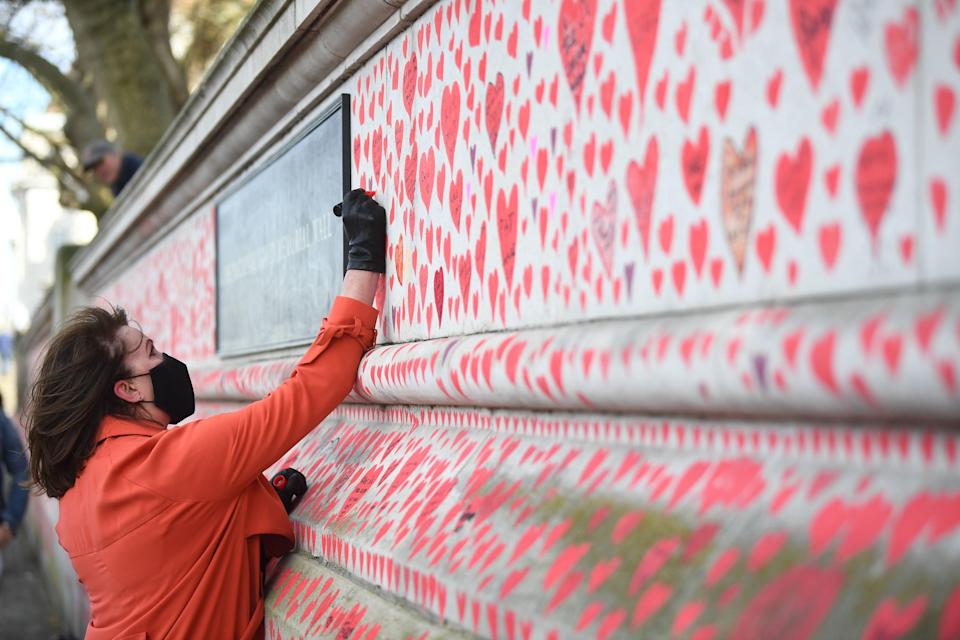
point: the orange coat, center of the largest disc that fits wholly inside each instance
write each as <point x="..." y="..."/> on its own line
<point x="164" y="527"/>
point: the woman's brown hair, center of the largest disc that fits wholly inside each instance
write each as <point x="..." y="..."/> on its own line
<point x="72" y="394"/>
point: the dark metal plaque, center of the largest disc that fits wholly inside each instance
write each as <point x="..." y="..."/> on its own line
<point x="279" y="247"/>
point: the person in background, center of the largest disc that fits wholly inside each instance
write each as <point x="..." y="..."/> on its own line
<point x="111" y="166"/>
<point x="167" y="528"/>
<point x="13" y="504"/>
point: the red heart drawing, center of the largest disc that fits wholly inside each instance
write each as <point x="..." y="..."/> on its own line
<point x="376" y="152"/>
<point x="721" y="97"/>
<point x="606" y="155"/>
<point x="626" y="107"/>
<point x="450" y="118"/>
<point x="523" y="118"/>
<point x="716" y="271"/>
<point x="793" y="181"/>
<point x="812" y="21"/>
<point x="736" y="8"/>
<point x="409" y="83"/>
<point x="507" y="232"/>
<point x="821" y="361"/>
<point x="830" y="115"/>
<point x="427" y="166"/>
<point x="945" y="100"/>
<point x="494" y="109"/>
<point x="698" y="239"/>
<point x="829" y="238"/>
<point x="831" y="178"/>
<point x="679" y="274"/>
<point x="858" y="84"/>
<point x="606" y="94"/>
<point x="398" y="259"/>
<point x="642" y="18"/>
<point x="906" y="248"/>
<point x="465" y="273"/>
<point x="684" y="94"/>
<point x="410" y="173"/>
<point x="665" y="234"/>
<point x="512" y="42"/>
<point x="589" y="150"/>
<point x="660" y="94"/>
<point x="938" y="198"/>
<point x="773" y="88"/>
<point x="694" y="163"/>
<point x="398" y="135"/>
<point x="481" y="250"/>
<point x="575" y="30"/>
<point x="891" y="621"/>
<point x="875" y="178"/>
<point x="641" y="184"/>
<point x="609" y="22"/>
<point x="927" y="515"/>
<point x="680" y="39"/>
<point x="901" y="42"/>
<point x="456" y="199"/>
<point x="601" y="571"/>
<point x="438" y="294"/>
<point x="766" y="244"/>
<point x="858" y="526"/>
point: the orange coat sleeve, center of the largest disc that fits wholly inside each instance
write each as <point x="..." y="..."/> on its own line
<point x="216" y="458"/>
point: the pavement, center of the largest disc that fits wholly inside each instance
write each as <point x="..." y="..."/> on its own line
<point x="25" y="609"/>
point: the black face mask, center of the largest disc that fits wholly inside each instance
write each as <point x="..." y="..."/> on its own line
<point x="172" y="388"/>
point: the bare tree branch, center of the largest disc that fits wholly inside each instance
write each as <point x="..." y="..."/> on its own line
<point x="82" y="125"/>
<point x="82" y="193"/>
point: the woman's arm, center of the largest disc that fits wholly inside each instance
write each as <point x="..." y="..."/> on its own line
<point x="360" y="285"/>
<point x="217" y="457"/>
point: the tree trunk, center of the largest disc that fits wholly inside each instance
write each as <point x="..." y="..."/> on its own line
<point x="155" y="15"/>
<point x="130" y="80"/>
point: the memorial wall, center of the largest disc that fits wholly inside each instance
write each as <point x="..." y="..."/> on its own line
<point x="670" y="329"/>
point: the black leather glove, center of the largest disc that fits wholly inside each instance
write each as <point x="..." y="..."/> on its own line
<point x="290" y="485"/>
<point x="365" y="223"/>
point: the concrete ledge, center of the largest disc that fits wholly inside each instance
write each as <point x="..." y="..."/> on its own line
<point x="585" y="526"/>
<point x="876" y="357"/>
<point x="306" y="599"/>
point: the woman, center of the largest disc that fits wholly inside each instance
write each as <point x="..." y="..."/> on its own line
<point x="166" y="528"/>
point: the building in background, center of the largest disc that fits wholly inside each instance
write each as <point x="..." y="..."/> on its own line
<point x="33" y="227"/>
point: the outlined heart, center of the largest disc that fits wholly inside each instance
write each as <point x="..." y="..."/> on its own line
<point x="603" y="223"/>
<point x="737" y="186"/>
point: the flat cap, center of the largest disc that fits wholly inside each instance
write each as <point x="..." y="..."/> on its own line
<point x="94" y="152"/>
